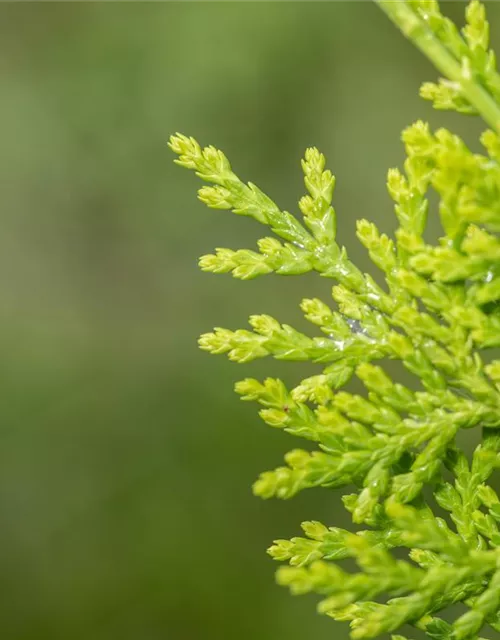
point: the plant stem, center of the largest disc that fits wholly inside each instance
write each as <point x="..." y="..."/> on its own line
<point x="415" y="29"/>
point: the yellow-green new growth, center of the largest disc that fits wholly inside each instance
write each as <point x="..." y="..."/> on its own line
<point x="439" y="311"/>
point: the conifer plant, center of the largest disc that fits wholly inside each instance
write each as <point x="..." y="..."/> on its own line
<point x="438" y="314"/>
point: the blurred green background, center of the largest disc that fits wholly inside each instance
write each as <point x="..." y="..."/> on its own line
<point x="125" y="458"/>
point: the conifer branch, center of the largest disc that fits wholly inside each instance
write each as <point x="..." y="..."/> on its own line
<point x="437" y="313"/>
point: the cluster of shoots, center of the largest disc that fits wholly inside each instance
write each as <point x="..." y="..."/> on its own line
<point x="438" y="314"/>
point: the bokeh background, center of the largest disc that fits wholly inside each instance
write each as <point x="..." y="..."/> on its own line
<point x="125" y="458"/>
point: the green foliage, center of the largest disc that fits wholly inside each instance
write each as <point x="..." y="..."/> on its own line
<point x="437" y="314"/>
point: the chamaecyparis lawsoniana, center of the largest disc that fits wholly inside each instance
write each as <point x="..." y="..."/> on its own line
<point x="437" y="314"/>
